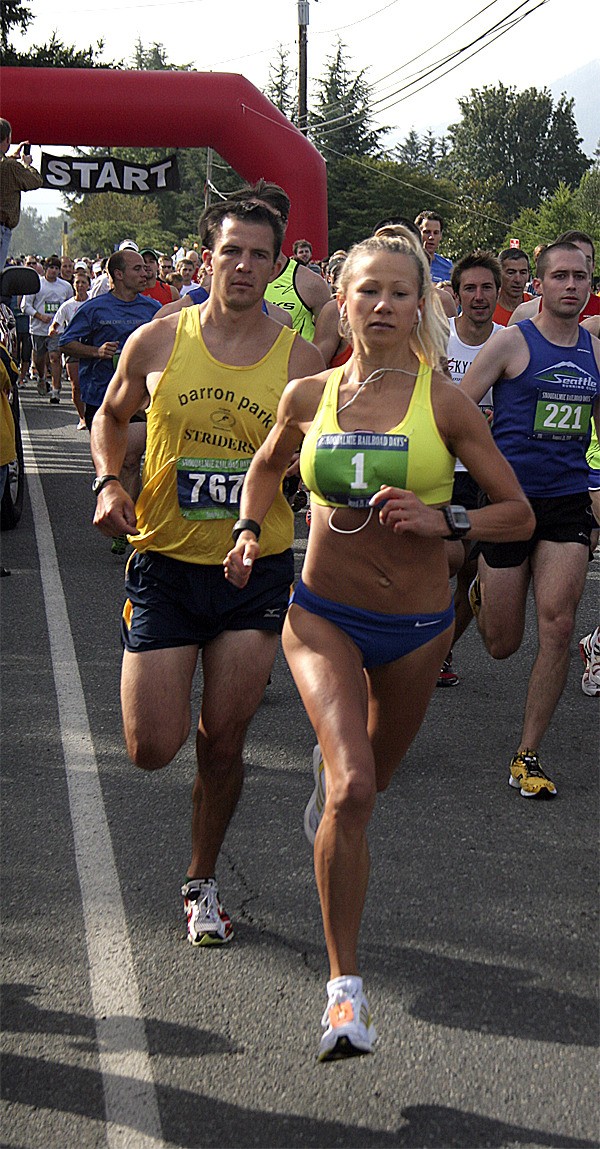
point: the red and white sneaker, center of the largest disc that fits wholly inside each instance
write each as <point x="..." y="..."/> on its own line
<point x="448" y="676"/>
<point x="207" y="922"/>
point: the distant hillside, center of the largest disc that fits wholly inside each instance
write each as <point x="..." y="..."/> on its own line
<point x="584" y="86"/>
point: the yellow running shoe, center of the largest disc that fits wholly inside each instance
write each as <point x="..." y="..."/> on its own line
<point x="527" y="775"/>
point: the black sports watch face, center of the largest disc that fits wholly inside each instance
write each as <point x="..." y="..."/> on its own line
<point x="459" y="519"/>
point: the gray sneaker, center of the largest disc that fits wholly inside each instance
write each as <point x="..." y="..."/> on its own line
<point x="316" y="802"/>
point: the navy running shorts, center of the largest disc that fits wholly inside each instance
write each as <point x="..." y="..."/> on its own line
<point x="381" y="638"/>
<point x="172" y="603"/>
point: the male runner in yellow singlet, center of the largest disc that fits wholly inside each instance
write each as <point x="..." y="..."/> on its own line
<point x="214" y="375"/>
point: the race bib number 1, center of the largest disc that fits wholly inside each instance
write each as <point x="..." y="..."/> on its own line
<point x="350" y="467"/>
<point x="210" y="488"/>
<point x="561" y="416"/>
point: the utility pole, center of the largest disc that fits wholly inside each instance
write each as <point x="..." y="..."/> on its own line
<point x="208" y="184"/>
<point x="303" y="6"/>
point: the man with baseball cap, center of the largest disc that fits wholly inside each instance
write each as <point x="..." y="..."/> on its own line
<point x="156" y="288"/>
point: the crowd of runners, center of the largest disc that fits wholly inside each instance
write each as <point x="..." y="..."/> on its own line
<point x="447" y="452"/>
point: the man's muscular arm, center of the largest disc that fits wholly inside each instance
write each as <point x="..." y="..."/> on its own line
<point x="312" y="289"/>
<point x="126" y="393"/>
<point x="505" y="354"/>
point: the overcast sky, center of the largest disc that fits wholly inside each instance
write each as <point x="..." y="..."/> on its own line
<point x="391" y="39"/>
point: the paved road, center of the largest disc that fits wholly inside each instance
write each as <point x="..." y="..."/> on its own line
<point x="480" y="939"/>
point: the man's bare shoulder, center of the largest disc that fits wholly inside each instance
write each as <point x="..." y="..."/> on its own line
<point x="305" y="358"/>
<point x="312" y="288"/>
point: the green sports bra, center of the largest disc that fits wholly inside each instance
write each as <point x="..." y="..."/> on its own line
<point x="345" y="468"/>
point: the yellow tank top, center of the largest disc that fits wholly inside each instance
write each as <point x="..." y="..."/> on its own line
<point x="345" y="468"/>
<point x="282" y="291"/>
<point x="205" y="422"/>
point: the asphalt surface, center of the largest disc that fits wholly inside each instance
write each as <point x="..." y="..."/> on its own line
<point x="480" y="938"/>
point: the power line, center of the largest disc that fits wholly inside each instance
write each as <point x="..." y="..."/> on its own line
<point x="434" y="70"/>
<point x="425" y="51"/>
<point x="414" y="187"/>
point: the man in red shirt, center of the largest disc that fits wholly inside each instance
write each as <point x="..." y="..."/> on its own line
<point x="156" y="288"/>
<point x="514" y="268"/>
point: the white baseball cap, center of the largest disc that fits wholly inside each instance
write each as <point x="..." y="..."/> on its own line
<point x="128" y="243"/>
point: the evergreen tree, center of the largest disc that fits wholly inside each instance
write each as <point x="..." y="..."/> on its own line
<point x="153" y="58"/>
<point x="587" y="198"/>
<point x="341" y="122"/>
<point x="57" y="54"/>
<point x="410" y="151"/>
<point x="563" y="211"/>
<point x="281" y="89"/>
<point x="13" y="14"/>
<point x="361" y="193"/>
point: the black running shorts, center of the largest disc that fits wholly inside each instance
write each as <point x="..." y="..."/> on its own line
<point x="172" y="603"/>
<point x="566" y="519"/>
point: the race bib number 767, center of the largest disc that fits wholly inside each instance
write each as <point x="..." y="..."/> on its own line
<point x="210" y="488"/>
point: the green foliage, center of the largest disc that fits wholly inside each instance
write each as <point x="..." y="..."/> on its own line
<point x="363" y="192"/>
<point x="477" y="219"/>
<point x="531" y="142"/>
<point x="588" y="204"/>
<point x="36" y="236"/>
<point x="282" y="87"/>
<point x="565" y="210"/>
<point x="13" y="14"/>
<point x="56" y="54"/>
<point x="341" y="121"/>
<point x="99" y="224"/>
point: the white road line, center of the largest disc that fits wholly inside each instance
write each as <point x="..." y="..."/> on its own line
<point x="133" y="1120"/>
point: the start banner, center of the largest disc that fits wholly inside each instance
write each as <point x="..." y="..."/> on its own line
<point x="108" y="174"/>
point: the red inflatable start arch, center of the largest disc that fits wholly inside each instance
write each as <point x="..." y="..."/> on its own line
<point x="101" y="107"/>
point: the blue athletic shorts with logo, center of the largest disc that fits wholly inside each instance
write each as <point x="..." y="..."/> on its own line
<point x="172" y="603"/>
<point x="381" y="638"/>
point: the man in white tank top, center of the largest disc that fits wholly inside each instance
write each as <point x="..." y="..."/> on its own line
<point x="476" y="282"/>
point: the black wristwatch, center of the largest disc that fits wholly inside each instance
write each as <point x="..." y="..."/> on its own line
<point x="245" y="525"/>
<point x="459" y="523"/>
<point x="100" y="482"/>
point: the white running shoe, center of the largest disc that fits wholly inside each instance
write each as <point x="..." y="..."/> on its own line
<point x="207" y="922"/>
<point x="349" y="1030"/>
<point x="589" y="649"/>
<point x="316" y="802"/>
